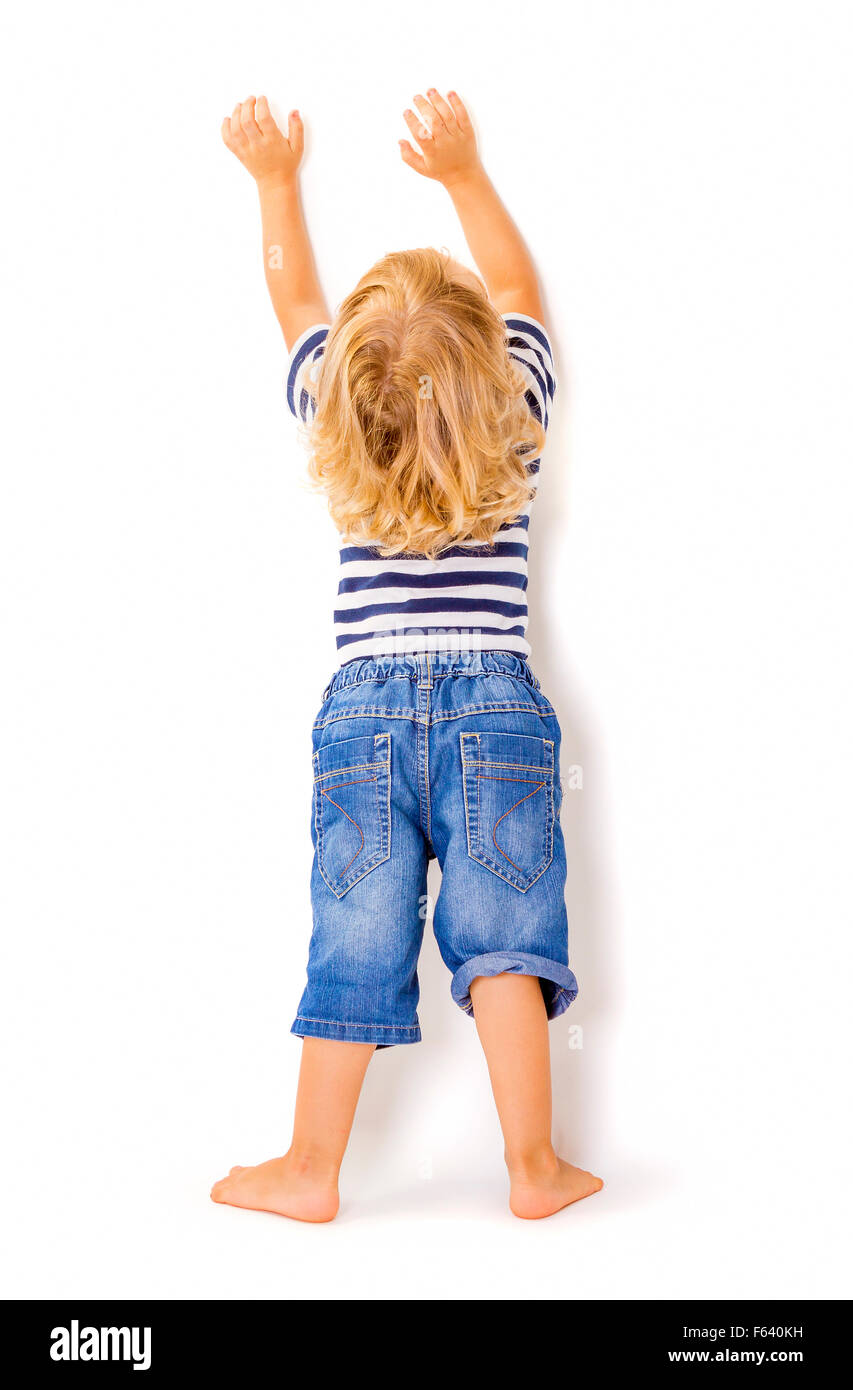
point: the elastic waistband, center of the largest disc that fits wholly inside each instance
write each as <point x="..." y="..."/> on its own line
<point x="425" y="668"/>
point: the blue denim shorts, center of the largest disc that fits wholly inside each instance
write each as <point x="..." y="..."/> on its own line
<point x="453" y="756"/>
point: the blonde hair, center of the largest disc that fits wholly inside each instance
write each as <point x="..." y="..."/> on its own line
<point x="421" y="429"/>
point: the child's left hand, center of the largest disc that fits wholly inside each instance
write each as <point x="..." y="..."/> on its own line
<point x="251" y="133"/>
<point x="446" y="138"/>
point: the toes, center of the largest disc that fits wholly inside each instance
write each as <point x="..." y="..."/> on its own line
<point x="237" y="1169"/>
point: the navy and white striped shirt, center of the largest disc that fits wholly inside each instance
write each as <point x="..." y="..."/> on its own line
<point x="473" y="596"/>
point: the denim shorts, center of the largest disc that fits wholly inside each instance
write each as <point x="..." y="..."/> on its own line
<point x="453" y="756"/>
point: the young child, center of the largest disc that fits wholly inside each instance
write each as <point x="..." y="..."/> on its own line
<point x="427" y="397"/>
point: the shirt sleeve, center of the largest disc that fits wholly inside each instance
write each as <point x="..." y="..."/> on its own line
<point x="304" y="364"/>
<point x="530" y="349"/>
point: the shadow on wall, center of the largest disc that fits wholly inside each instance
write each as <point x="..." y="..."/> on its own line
<point x="579" y="1038"/>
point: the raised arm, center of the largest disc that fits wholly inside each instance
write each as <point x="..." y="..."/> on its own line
<point x="448" y="153"/>
<point x="273" y="161"/>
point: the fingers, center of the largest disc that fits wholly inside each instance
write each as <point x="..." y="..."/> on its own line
<point x="238" y="139"/>
<point x="429" y="115"/>
<point x="412" y="158"/>
<point x="417" y="129"/>
<point x="296" y="133"/>
<point x="249" y="125"/>
<point x="252" y="124"/>
<point x="264" y="118"/>
<point x="442" y="130"/>
<point x="462" y="118"/>
<point x="445" y="112"/>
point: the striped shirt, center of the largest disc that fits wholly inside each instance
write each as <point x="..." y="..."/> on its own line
<point x="473" y="596"/>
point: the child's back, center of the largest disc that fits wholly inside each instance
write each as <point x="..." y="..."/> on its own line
<point x="427" y="414"/>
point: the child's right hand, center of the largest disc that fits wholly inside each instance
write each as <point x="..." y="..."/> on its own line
<point x="445" y="136"/>
<point x="253" y="136"/>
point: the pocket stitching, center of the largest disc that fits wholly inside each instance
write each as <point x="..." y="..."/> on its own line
<point x="480" y="855"/>
<point x="382" y="768"/>
<point x="337" y="771"/>
<point x="323" y="792"/>
<point x="520" y="802"/>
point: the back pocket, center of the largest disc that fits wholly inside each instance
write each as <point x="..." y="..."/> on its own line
<point x="508" y="781"/>
<point x="352" y="809"/>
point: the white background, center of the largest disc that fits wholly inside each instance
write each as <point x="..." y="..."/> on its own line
<point x="681" y="171"/>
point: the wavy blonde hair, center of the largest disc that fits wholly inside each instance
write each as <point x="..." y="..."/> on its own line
<point x="421" y="429"/>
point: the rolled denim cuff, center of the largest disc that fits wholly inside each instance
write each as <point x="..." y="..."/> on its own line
<point x="559" y="986"/>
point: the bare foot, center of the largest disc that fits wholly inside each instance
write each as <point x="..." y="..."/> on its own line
<point x="282" y="1185"/>
<point x="548" y="1187"/>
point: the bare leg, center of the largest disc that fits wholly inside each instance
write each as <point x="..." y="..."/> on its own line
<point x="304" y="1183"/>
<point x="513" y="1026"/>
